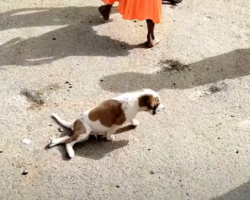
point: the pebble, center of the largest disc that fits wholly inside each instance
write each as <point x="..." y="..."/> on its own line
<point x="25" y="172"/>
<point x="60" y="129"/>
<point x="208" y="93"/>
<point x="26" y="141"/>
<point x="118" y="186"/>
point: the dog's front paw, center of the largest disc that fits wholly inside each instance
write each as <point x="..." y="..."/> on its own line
<point x="135" y="122"/>
<point x="110" y="137"/>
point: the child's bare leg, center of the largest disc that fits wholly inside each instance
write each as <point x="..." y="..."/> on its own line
<point x="105" y="11"/>
<point x="151" y="39"/>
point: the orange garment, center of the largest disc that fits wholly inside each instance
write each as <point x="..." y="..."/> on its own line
<point x="139" y="9"/>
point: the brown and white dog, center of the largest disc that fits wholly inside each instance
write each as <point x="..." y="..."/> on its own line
<point x="109" y="116"/>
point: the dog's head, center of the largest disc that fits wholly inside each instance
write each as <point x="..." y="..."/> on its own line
<point x="150" y="101"/>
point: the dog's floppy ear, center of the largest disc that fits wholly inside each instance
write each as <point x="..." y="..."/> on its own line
<point x="146" y="101"/>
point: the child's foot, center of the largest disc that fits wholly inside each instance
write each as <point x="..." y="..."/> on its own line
<point x="152" y="42"/>
<point x="104" y="12"/>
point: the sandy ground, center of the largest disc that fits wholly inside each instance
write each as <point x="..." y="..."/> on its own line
<point x="197" y="149"/>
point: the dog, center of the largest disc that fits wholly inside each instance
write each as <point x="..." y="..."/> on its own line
<point x="108" y="117"/>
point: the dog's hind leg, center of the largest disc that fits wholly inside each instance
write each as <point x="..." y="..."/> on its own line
<point x="56" y="141"/>
<point x="72" y="141"/>
<point x="81" y="133"/>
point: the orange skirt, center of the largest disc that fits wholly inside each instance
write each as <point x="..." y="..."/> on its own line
<point x="139" y="9"/>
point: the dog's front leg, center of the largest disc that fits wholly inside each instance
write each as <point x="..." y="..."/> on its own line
<point x="135" y="122"/>
<point x="111" y="131"/>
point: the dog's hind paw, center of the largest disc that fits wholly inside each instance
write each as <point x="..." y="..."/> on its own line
<point x="52" y="142"/>
<point x="71" y="154"/>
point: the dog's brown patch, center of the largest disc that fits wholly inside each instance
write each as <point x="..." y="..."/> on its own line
<point x="108" y="113"/>
<point x="79" y="129"/>
<point x="148" y="101"/>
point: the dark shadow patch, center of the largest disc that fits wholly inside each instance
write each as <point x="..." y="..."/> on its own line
<point x="230" y="65"/>
<point x="240" y="193"/>
<point x="76" y="38"/>
<point x="97" y="149"/>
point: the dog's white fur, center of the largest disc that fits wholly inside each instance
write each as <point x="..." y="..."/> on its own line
<point x="130" y="108"/>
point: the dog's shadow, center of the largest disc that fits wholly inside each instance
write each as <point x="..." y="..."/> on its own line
<point x="93" y="148"/>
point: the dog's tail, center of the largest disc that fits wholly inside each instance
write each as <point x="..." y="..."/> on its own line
<point x="63" y="122"/>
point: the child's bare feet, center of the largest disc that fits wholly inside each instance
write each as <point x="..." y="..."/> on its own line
<point x="152" y="42"/>
<point x="105" y="12"/>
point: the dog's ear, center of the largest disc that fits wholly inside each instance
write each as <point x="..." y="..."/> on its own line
<point x="147" y="101"/>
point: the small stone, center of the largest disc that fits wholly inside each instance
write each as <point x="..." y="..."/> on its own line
<point x="26" y="141"/>
<point x="149" y="149"/>
<point x="70" y="86"/>
<point x="118" y="186"/>
<point x="60" y="129"/>
<point x="51" y="88"/>
<point x="237" y="151"/>
<point x="50" y="125"/>
<point x="151" y="172"/>
<point x="90" y="22"/>
<point x="101" y="80"/>
<point x="66" y="82"/>
<point x="1" y="151"/>
<point x="54" y="38"/>
<point x="208" y="93"/>
<point x="232" y="115"/>
<point x="135" y="21"/>
<point x="25" y="172"/>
